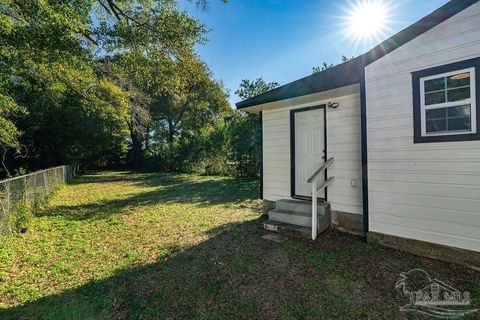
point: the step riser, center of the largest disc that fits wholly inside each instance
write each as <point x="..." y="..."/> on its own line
<point x="300" y="220"/>
<point x="290" y="218"/>
<point x="300" y="207"/>
<point x="295" y="207"/>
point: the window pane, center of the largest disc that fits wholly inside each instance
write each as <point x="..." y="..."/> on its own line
<point x="436" y="125"/>
<point x="459" y="80"/>
<point x="435" y="84"/>
<point x="463" y="111"/>
<point x="436" y="114"/>
<point x="457" y="124"/>
<point x="448" y="119"/>
<point x="454" y="89"/>
<point x="435" y="97"/>
<point x="436" y="120"/>
<point x="458" y="94"/>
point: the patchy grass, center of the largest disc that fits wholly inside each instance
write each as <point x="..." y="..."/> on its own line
<point x="130" y="245"/>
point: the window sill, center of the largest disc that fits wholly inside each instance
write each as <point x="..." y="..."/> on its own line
<point x="447" y="138"/>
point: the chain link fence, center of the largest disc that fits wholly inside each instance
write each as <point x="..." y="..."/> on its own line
<point x="19" y="196"/>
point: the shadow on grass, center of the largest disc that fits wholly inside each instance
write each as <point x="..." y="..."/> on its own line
<point x="237" y="275"/>
<point x="169" y="189"/>
<point x="131" y="176"/>
<point x="194" y="283"/>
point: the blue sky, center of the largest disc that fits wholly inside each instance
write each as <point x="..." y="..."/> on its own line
<point x="282" y="40"/>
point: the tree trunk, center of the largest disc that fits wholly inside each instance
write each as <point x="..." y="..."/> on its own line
<point x="137" y="152"/>
<point x="147" y="139"/>
<point x="171" y="165"/>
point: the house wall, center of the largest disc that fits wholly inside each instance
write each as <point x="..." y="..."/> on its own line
<point x="428" y="191"/>
<point x="343" y="143"/>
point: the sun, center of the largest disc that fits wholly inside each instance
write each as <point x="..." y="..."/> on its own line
<point x="367" y="20"/>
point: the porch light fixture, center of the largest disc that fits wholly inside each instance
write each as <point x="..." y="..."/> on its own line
<point x="333" y="105"/>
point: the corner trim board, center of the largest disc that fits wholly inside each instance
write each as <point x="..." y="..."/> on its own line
<point x="363" y="120"/>
<point x="260" y="120"/>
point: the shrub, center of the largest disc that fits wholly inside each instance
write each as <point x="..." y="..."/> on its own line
<point x="21" y="218"/>
<point x="244" y="141"/>
<point x="226" y="147"/>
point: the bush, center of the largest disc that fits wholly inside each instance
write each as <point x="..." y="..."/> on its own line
<point x="21" y="218"/>
<point x="203" y="152"/>
<point x="229" y="147"/>
<point x="244" y="142"/>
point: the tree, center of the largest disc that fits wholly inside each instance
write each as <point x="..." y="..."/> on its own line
<point x="139" y="101"/>
<point x="183" y="98"/>
<point x="249" y="88"/>
<point x="73" y="114"/>
<point x="244" y="131"/>
<point x="199" y="103"/>
<point x="67" y="103"/>
<point x="326" y="66"/>
<point x="345" y="58"/>
<point x="158" y="59"/>
<point x="9" y="133"/>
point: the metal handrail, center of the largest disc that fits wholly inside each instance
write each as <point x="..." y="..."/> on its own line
<point x="315" y="188"/>
<point x="326" y="183"/>
<point x="321" y="169"/>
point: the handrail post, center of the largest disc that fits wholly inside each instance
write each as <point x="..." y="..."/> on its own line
<point x="314" y="181"/>
<point x="314" y="209"/>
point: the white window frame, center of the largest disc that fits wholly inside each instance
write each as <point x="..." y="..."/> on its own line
<point x="472" y="101"/>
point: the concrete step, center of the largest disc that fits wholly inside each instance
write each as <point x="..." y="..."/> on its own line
<point x="302" y="219"/>
<point x="295" y="216"/>
<point x="287" y="229"/>
<point x="286" y="216"/>
<point x="301" y="206"/>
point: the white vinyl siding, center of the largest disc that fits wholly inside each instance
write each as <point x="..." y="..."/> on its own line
<point x="427" y="191"/>
<point x="343" y="143"/>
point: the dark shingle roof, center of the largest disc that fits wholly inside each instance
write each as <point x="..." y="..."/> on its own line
<point x="351" y="72"/>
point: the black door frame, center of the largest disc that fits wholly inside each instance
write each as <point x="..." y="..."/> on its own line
<point x="292" y="148"/>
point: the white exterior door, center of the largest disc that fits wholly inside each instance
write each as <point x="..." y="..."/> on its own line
<point x="309" y="148"/>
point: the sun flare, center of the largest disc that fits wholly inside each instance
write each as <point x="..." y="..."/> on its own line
<point x="367" y="19"/>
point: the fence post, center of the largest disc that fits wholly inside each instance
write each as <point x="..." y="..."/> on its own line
<point x="31" y="190"/>
<point x="25" y="190"/>
<point x="45" y="182"/>
<point x="9" y="195"/>
<point x="7" y="202"/>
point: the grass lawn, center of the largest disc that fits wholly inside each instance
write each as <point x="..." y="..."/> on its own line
<point x="128" y="245"/>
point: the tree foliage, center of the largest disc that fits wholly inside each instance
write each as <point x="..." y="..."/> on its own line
<point x="252" y="88"/>
<point x="326" y="65"/>
<point x="244" y="130"/>
<point x="100" y="81"/>
<point x="115" y="83"/>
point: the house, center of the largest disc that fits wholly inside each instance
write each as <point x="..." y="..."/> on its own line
<point x="390" y="139"/>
